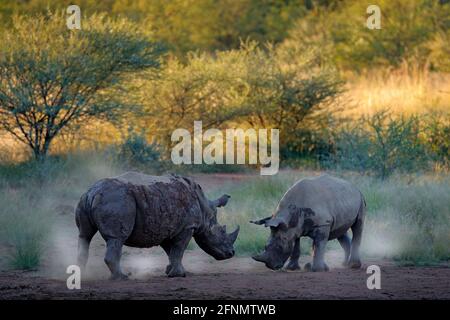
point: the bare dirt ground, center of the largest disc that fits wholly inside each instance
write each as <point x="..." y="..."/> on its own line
<point x="237" y="278"/>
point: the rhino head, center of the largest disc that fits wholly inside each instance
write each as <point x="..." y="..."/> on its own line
<point x="213" y="237"/>
<point x="285" y="227"/>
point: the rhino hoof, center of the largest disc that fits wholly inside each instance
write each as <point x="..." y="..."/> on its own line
<point x="293" y="266"/>
<point x="355" y="264"/>
<point x="119" y="277"/>
<point x="168" y="268"/>
<point x="176" y="272"/>
<point x="309" y="267"/>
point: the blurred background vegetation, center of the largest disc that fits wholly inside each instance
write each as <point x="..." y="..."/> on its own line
<point x="341" y="94"/>
<point x="345" y="98"/>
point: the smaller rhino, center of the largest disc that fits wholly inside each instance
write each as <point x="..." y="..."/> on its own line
<point x="322" y="208"/>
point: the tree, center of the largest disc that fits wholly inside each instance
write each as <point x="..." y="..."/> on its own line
<point x="52" y="78"/>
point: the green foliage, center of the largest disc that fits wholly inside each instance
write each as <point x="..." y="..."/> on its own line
<point x="185" y="25"/>
<point x="52" y="78"/>
<point x="136" y="152"/>
<point x="381" y="144"/>
<point x="411" y="31"/>
<point x="438" y="137"/>
<point x="256" y="87"/>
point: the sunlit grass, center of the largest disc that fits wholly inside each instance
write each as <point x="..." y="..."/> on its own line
<point x="399" y="91"/>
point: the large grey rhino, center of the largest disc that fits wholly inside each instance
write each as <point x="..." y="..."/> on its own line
<point x="143" y="211"/>
<point x="323" y="208"/>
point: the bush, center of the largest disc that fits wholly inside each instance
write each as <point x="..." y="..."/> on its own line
<point x="136" y="152"/>
<point x="380" y="144"/>
<point x="438" y="136"/>
<point x="250" y="87"/>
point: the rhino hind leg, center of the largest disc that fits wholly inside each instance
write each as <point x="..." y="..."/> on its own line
<point x="346" y="244"/>
<point x="357" y="228"/>
<point x="86" y="232"/>
<point x="166" y="246"/>
<point x="175" y="250"/>
<point x="112" y="259"/>
<point x="83" y="250"/>
<point x="293" y="260"/>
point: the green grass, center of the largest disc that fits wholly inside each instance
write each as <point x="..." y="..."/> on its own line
<point x="30" y="194"/>
<point x="24" y="223"/>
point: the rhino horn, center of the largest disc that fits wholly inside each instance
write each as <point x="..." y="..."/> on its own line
<point x="234" y="234"/>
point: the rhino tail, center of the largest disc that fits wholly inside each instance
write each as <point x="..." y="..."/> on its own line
<point x="362" y="207"/>
<point x="83" y="217"/>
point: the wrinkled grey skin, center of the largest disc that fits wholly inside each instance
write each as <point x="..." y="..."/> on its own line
<point x="322" y="208"/>
<point x="143" y="211"/>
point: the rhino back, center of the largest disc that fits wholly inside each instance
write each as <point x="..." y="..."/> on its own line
<point x="333" y="200"/>
<point x="164" y="207"/>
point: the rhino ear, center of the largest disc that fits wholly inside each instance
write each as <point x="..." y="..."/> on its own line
<point x="262" y="221"/>
<point x="221" y="202"/>
<point x="273" y="222"/>
<point x="276" y="222"/>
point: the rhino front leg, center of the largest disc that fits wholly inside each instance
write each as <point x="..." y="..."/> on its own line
<point x="112" y="258"/>
<point x="175" y="250"/>
<point x="293" y="260"/>
<point x="319" y="243"/>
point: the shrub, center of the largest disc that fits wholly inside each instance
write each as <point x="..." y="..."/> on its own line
<point x="438" y="136"/>
<point x="136" y="152"/>
<point x="380" y="144"/>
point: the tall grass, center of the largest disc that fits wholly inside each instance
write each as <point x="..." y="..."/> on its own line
<point x="32" y="195"/>
<point x="23" y="226"/>
<point x="402" y="91"/>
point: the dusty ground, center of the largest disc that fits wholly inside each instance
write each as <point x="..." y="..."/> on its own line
<point x="237" y="278"/>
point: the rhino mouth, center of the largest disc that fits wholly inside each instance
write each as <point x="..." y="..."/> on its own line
<point x="269" y="264"/>
<point x="225" y="256"/>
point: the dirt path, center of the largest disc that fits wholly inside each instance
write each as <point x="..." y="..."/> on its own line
<point x="239" y="278"/>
